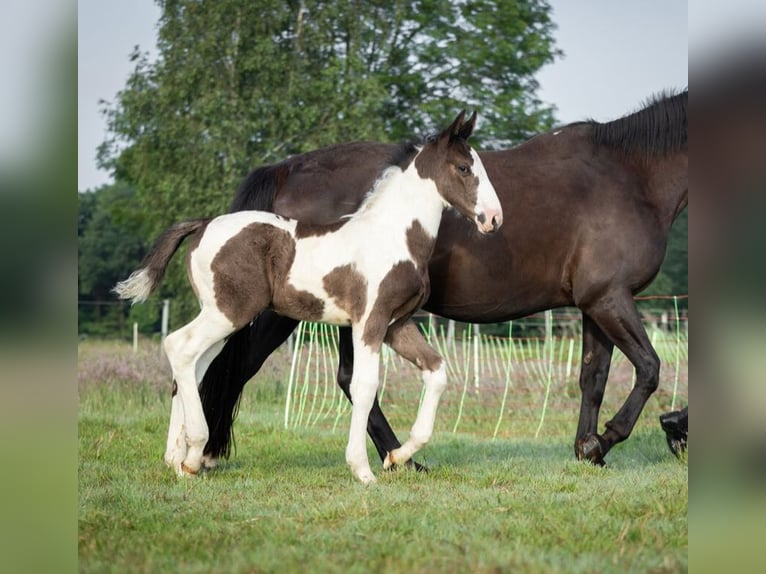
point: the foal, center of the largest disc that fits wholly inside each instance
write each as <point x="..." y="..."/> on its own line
<point x="368" y="271"/>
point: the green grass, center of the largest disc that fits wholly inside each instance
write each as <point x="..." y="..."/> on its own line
<point x="286" y="501"/>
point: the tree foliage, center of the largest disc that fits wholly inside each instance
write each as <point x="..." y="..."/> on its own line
<point x="239" y="84"/>
<point x="110" y="244"/>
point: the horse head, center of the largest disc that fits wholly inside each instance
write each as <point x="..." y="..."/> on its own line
<point x="459" y="175"/>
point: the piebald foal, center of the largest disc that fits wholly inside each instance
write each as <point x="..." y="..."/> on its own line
<point x="368" y="271"/>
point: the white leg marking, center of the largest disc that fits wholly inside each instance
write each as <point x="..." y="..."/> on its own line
<point x="175" y="450"/>
<point x="364" y="385"/>
<point x="185" y="348"/>
<point x="435" y="382"/>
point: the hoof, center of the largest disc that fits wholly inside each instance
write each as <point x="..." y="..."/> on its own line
<point x="677" y="447"/>
<point x="187" y="471"/>
<point x="366" y="477"/>
<point x="676" y="427"/>
<point x="390" y="464"/>
<point x="591" y="448"/>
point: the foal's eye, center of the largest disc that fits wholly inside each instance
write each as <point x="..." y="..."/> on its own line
<point x="464" y="169"/>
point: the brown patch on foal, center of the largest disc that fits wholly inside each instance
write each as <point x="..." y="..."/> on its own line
<point x="408" y="341"/>
<point x="420" y="244"/>
<point x="400" y="294"/>
<point x="348" y="288"/>
<point x="250" y="274"/>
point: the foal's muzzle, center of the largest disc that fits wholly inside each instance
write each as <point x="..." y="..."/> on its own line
<point x="489" y="220"/>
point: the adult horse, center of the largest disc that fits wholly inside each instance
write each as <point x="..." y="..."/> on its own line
<point x="590" y="206"/>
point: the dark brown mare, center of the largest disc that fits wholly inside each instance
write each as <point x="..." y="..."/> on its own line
<point x="589" y="207"/>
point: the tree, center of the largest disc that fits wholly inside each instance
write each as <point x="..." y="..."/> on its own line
<point x="110" y="244"/>
<point x="239" y="84"/>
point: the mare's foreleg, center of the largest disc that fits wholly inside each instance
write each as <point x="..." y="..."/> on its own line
<point x="617" y="317"/>
<point x="408" y="341"/>
<point x="594" y="371"/>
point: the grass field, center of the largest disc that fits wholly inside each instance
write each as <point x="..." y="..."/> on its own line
<point x="286" y="501"/>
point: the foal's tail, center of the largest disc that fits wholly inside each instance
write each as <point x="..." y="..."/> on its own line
<point x="145" y="279"/>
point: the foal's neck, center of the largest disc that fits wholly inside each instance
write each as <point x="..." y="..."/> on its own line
<point x="400" y="197"/>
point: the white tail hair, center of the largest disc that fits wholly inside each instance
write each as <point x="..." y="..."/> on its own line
<point x="137" y="287"/>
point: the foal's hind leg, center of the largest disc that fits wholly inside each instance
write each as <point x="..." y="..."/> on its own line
<point x="175" y="450"/>
<point x="408" y="341"/>
<point x="617" y="317"/>
<point x="594" y="370"/>
<point x="185" y="348"/>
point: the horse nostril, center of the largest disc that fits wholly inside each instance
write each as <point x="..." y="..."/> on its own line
<point x="481" y="217"/>
<point x="497" y="221"/>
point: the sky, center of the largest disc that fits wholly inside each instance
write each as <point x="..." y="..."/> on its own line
<point x="616" y="55"/>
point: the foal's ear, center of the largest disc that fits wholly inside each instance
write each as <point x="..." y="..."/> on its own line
<point x="467" y="128"/>
<point x="453" y="130"/>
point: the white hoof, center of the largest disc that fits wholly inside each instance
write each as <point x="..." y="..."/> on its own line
<point x="184" y="470"/>
<point x="389" y="461"/>
<point x="398" y="456"/>
<point x="365" y="476"/>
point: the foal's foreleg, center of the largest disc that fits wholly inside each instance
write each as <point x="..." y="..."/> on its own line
<point x="364" y="386"/>
<point x="408" y="341"/>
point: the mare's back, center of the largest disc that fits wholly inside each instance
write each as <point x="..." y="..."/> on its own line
<point x="328" y="183"/>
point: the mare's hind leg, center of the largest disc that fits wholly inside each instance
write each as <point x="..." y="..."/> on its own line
<point x="594" y="370"/>
<point x="617" y="317"/>
<point x="185" y="348"/>
<point x="408" y="341"/>
<point x="240" y="359"/>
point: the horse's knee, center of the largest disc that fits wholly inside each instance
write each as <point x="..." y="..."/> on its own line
<point x="176" y="350"/>
<point x="648" y="374"/>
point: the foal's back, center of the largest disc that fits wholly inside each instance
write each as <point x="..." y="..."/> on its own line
<point x="250" y="260"/>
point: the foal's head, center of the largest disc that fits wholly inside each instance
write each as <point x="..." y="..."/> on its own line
<point x="459" y="175"/>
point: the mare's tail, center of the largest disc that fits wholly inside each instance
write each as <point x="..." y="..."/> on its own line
<point x="146" y="278"/>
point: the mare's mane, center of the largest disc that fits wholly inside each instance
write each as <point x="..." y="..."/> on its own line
<point x="658" y="129"/>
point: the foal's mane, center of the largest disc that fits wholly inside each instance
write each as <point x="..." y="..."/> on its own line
<point x="401" y="157"/>
<point x="658" y="129"/>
